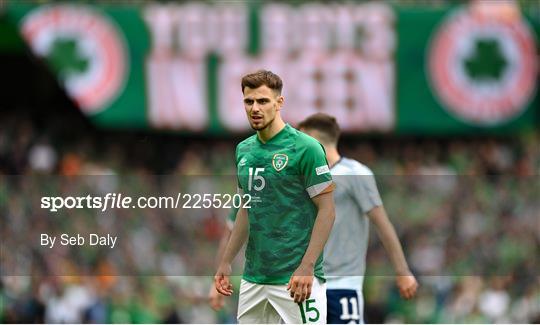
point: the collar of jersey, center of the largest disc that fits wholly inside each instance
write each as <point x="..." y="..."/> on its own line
<point x="276" y="136"/>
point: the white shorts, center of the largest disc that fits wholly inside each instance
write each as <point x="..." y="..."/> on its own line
<point x="267" y="304"/>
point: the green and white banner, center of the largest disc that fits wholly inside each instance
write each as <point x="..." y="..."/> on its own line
<point x="377" y="68"/>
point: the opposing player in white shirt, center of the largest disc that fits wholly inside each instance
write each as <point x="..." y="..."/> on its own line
<point x="357" y="201"/>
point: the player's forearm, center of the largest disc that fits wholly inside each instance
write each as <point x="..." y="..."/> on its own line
<point x="223" y="244"/>
<point x="237" y="239"/>
<point x="319" y="236"/>
<point x="321" y="229"/>
<point x="390" y="240"/>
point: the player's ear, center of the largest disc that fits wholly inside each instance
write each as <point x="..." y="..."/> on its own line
<point x="280" y="101"/>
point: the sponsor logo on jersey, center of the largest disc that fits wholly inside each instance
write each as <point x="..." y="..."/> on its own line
<point x="83" y="48"/>
<point x="483" y="67"/>
<point x="322" y="170"/>
<point x="242" y="162"/>
<point x="279" y="161"/>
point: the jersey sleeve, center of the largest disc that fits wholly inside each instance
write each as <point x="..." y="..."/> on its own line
<point x="231" y="218"/>
<point x="365" y="190"/>
<point x="239" y="188"/>
<point x="314" y="168"/>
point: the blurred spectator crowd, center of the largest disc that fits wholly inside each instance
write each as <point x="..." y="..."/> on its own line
<point x="466" y="210"/>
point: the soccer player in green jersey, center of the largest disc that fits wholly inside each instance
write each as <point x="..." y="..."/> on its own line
<point x="290" y="218"/>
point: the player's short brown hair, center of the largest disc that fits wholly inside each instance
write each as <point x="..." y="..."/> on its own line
<point x="262" y="78"/>
<point x="325" y="124"/>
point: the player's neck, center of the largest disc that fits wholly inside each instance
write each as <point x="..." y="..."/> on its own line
<point x="332" y="155"/>
<point x="271" y="130"/>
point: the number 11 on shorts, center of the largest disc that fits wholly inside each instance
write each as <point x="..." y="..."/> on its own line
<point x="306" y="309"/>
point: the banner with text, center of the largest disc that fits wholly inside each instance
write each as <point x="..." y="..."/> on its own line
<point x="377" y="68"/>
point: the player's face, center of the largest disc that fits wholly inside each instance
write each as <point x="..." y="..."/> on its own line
<point x="262" y="105"/>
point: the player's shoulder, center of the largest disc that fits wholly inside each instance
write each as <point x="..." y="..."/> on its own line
<point x="348" y="166"/>
<point x="305" y="141"/>
<point x="246" y="143"/>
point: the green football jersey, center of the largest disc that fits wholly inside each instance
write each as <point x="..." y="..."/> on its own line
<point x="281" y="175"/>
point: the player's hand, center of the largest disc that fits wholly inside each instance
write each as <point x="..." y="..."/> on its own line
<point x="215" y="299"/>
<point x="222" y="280"/>
<point x="301" y="283"/>
<point x="407" y="285"/>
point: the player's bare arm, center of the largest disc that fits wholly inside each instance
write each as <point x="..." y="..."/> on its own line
<point x="238" y="237"/>
<point x="405" y="280"/>
<point x="215" y="299"/>
<point x="302" y="279"/>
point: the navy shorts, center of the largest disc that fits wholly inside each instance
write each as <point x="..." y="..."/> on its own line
<point x="343" y="307"/>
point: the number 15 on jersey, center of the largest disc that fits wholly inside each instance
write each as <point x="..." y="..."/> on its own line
<point x="256" y="181"/>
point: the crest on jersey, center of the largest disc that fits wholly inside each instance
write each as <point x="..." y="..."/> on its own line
<point x="279" y="161"/>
